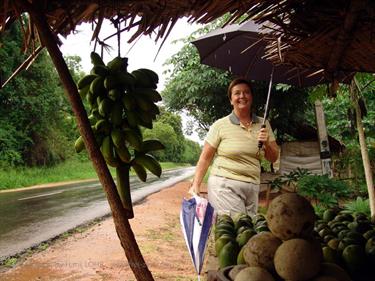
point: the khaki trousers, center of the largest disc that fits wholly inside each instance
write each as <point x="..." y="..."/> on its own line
<point x="229" y="196"/>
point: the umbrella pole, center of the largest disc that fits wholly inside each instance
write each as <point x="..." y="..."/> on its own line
<point x="260" y="144"/>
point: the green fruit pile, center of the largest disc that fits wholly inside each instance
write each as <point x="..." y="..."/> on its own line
<point x="231" y="234"/>
<point x="119" y="103"/>
<point x="348" y="240"/>
<point x="279" y="246"/>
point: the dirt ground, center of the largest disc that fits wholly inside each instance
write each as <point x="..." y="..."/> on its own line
<point x="96" y="253"/>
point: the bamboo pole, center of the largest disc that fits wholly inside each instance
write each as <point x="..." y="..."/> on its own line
<point x="123" y="229"/>
<point x="354" y="89"/>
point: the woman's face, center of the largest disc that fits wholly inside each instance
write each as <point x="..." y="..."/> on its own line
<point x="241" y="97"/>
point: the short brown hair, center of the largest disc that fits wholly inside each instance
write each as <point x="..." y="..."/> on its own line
<point x="236" y="82"/>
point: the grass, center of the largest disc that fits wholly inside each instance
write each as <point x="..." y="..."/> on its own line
<point x="72" y="169"/>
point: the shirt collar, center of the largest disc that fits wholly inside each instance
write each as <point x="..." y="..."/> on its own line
<point x="234" y="119"/>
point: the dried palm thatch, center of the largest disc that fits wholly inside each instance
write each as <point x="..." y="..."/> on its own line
<point x="145" y="16"/>
<point x="334" y="35"/>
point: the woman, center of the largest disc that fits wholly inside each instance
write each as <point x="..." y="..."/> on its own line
<point x="233" y="185"/>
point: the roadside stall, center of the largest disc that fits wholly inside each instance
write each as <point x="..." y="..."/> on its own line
<point x="331" y="40"/>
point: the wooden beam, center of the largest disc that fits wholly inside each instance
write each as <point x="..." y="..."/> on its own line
<point x="345" y="35"/>
<point x="24" y="65"/>
<point x="124" y="231"/>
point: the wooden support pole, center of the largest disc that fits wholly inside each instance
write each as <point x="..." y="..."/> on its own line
<point x="354" y="89"/>
<point x="325" y="154"/>
<point x="124" y="231"/>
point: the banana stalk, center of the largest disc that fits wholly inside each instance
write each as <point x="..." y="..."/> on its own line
<point x="123" y="188"/>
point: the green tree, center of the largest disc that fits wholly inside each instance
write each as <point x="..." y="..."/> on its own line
<point x="191" y="152"/>
<point x="165" y="134"/>
<point x="30" y="106"/>
<point x="175" y="121"/>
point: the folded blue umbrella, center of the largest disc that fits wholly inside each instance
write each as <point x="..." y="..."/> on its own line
<point x="196" y="217"/>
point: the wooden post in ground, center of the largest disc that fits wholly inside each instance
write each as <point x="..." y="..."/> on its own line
<point x="120" y="217"/>
<point x="354" y="90"/>
<point x="325" y="154"/>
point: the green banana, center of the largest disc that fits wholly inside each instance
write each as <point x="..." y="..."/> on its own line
<point x="97" y="86"/>
<point x="144" y="103"/>
<point x="129" y="101"/>
<point x="83" y="92"/>
<point x="118" y="64"/>
<point x="154" y="111"/>
<point x="103" y="126"/>
<point x="108" y="152"/>
<point x="95" y="112"/>
<point x="151" y="74"/>
<point x="114" y="94"/>
<point x="149" y="93"/>
<point x="96" y="59"/>
<point x="85" y="80"/>
<point x="105" y="107"/>
<point x="133" y="118"/>
<point x="142" y="79"/>
<point x="133" y="139"/>
<point x="145" y="119"/>
<point x="149" y="162"/>
<point x="151" y="145"/>
<point x="91" y="98"/>
<point x="99" y="139"/>
<point x="123" y="153"/>
<point x="79" y="145"/>
<point x="116" y="114"/>
<point x="140" y="171"/>
<point x="111" y="82"/>
<point x="117" y="138"/>
<point x="100" y="70"/>
<point x="99" y="100"/>
<point x="92" y="119"/>
<point x="123" y="188"/>
<point x="126" y="80"/>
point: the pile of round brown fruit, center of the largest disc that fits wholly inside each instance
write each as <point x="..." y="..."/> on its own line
<point x="348" y="240"/>
<point x="290" y="243"/>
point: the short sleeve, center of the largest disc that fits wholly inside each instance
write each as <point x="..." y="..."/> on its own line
<point x="270" y="132"/>
<point x="213" y="136"/>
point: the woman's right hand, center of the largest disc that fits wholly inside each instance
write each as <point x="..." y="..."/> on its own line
<point x="194" y="189"/>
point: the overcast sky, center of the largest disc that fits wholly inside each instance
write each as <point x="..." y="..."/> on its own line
<point x="140" y="56"/>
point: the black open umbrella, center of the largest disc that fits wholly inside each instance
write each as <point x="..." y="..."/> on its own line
<point x="240" y="48"/>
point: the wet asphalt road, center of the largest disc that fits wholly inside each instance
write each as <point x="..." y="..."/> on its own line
<point x="30" y="217"/>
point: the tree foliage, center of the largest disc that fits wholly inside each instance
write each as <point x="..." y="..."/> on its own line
<point x="168" y="129"/>
<point x="33" y="129"/>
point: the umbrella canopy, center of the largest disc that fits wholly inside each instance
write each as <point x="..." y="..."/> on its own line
<point x="196" y="218"/>
<point x="240" y="49"/>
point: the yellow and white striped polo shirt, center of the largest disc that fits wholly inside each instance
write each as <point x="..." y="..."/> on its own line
<point x="237" y="148"/>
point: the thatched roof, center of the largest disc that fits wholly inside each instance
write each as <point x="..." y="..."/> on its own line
<point x="335" y="34"/>
<point x="139" y="16"/>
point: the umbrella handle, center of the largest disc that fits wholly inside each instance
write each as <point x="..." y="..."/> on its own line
<point x="260" y="143"/>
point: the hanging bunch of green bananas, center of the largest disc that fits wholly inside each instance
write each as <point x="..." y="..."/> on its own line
<point x="119" y="103"/>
